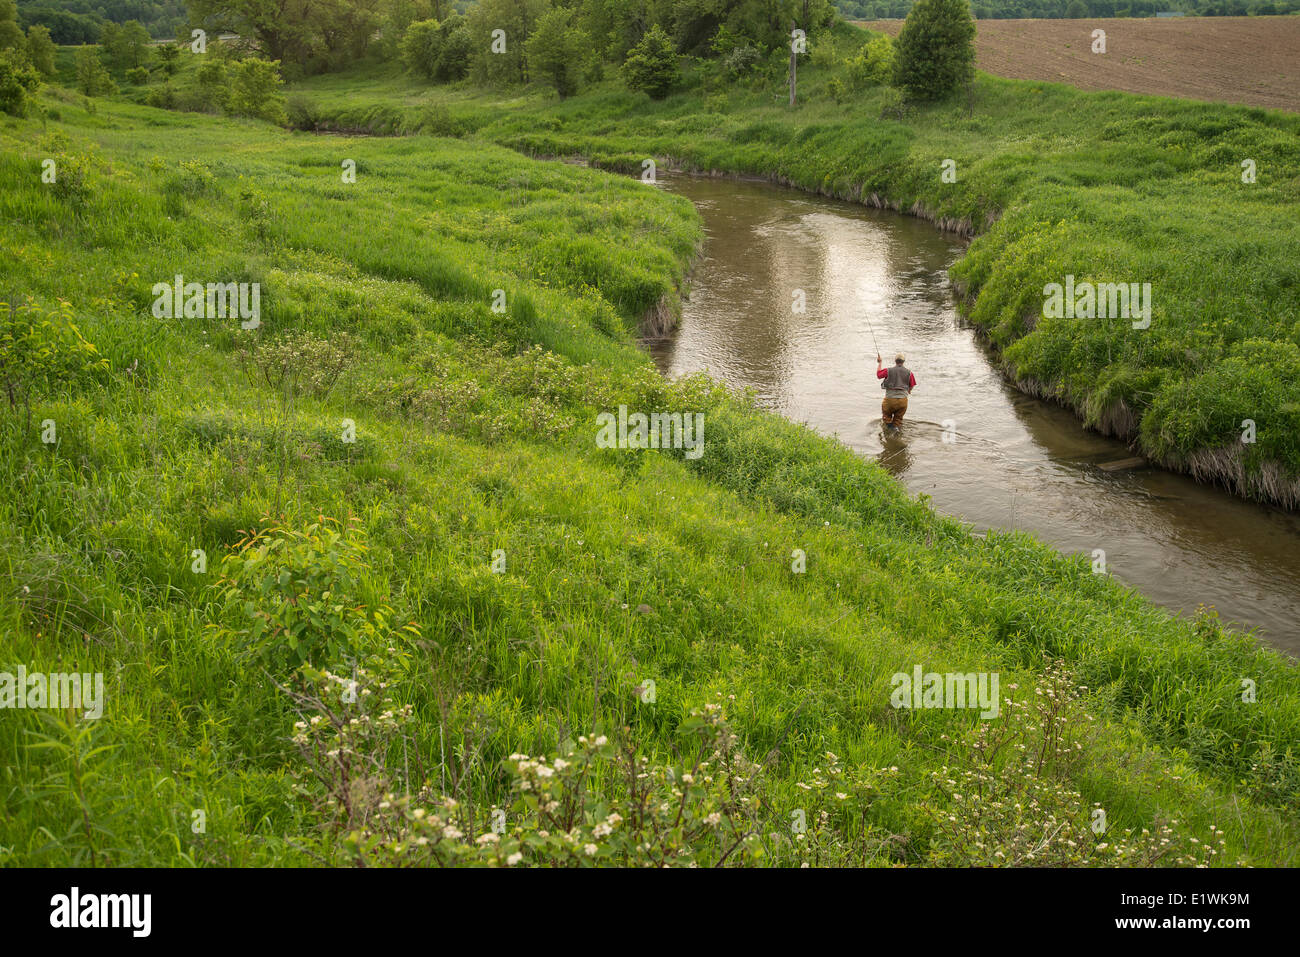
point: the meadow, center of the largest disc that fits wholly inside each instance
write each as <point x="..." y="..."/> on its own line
<point x="1050" y="182"/>
<point x="360" y="578"/>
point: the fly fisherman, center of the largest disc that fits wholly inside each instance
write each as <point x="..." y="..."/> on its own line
<point x="898" y="384"/>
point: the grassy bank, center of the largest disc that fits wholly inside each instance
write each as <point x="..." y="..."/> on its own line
<point x="1054" y="182"/>
<point x="498" y="585"/>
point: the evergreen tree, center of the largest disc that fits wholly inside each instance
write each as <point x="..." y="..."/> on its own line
<point x="651" y="65"/>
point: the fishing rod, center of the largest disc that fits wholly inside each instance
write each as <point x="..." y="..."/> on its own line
<point x="873" y="335"/>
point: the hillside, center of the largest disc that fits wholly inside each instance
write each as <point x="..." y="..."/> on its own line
<point x="436" y="522"/>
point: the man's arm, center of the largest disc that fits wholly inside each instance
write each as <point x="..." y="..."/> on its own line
<point x="911" y="383"/>
<point x="880" y="368"/>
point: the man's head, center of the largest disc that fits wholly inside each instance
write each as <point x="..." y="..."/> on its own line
<point x="898" y="359"/>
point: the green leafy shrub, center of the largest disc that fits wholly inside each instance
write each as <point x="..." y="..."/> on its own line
<point x="651" y="65"/>
<point x="875" y="64"/>
<point x="936" y="49"/>
<point x="40" y="351"/>
<point x="558" y="51"/>
<point x="255" y="90"/>
<point x="300" y="597"/>
<point x="40" y="49"/>
<point x="18" y="81"/>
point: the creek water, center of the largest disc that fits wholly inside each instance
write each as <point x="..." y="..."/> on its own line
<point x="982" y="451"/>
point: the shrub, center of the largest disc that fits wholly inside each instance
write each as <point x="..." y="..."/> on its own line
<point x="742" y="61"/>
<point x="214" y="84"/>
<point x="41" y="350"/>
<point x="255" y="90"/>
<point x="651" y="65"/>
<point x="875" y="64"/>
<point x="18" y="81"/>
<point x="300" y="596"/>
<point x="420" y="47"/>
<point x="169" y="55"/>
<point x="936" y="51"/>
<point x="301" y="112"/>
<point x="137" y="75"/>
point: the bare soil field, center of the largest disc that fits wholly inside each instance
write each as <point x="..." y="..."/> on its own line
<point x="1253" y="61"/>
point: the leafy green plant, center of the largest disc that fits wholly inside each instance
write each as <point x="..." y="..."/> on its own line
<point x="651" y="65"/>
<point x="18" y="81"/>
<point x="41" y="350"/>
<point x="300" y="596"/>
<point x="936" y="49"/>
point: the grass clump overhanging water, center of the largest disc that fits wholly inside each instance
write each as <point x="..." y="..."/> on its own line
<point x="364" y="589"/>
<point x="1198" y="200"/>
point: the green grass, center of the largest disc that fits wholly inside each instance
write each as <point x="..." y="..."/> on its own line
<point x="475" y="432"/>
<point x="1107" y="187"/>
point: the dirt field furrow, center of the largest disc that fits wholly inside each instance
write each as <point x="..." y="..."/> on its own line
<point x="1253" y="61"/>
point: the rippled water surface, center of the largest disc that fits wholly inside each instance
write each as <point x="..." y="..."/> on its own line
<point x="1015" y="462"/>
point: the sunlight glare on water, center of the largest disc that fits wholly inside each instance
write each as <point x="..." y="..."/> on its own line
<point x="1016" y="462"/>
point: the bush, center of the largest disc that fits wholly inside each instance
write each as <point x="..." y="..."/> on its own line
<point x="18" y="81"/>
<point x="163" y="97"/>
<point x="651" y="65"/>
<point x="137" y="76"/>
<point x="875" y="64"/>
<point x="420" y="47"/>
<point x="301" y="597"/>
<point x="437" y="51"/>
<point x="741" y="61"/>
<point x="936" y="51"/>
<point x="302" y="112"/>
<point x="255" y="90"/>
<point x="214" y="84"/>
<point x="41" y="350"/>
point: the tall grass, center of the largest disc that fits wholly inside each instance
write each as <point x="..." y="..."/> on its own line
<point x="475" y="433"/>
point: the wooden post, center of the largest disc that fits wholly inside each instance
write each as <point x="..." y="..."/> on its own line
<point x="793" y="58"/>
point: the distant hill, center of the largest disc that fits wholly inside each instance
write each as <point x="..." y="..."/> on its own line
<point x="79" y="21"/>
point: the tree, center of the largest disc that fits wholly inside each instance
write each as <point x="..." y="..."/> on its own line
<point x="11" y="35"/>
<point x="40" y="49"/>
<point x="1077" y="10"/>
<point x="92" y="78"/>
<point x="499" y="30"/>
<point x="558" y="51"/>
<point x="255" y="90"/>
<point x="437" y="51"/>
<point x="651" y="65"/>
<point x="169" y="54"/>
<point x="936" y="50"/>
<point x="18" y="81"/>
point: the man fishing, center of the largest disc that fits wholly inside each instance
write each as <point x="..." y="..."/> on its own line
<point x="898" y="385"/>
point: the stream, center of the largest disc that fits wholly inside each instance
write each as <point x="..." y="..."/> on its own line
<point x="982" y="451"/>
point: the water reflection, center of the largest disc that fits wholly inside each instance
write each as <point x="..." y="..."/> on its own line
<point x="869" y="281"/>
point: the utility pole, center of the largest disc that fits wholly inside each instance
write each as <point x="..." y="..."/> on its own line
<point x="794" y="55"/>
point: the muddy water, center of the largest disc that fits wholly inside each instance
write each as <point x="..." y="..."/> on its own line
<point x="1011" y="461"/>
